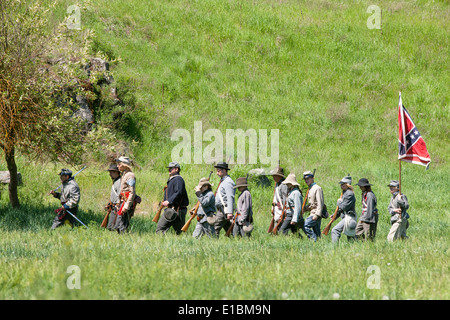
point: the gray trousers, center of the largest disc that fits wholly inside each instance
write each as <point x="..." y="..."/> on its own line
<point x="112" y="219"/>
<point x="221" y="222"/>
<point x="337" y="231"/>
<point x="203" y="228"/>
<point x="286" y="225"/>
<point x="164" y="225"/>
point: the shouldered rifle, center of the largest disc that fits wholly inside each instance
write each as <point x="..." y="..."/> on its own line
<point x="72" y="177"/>
<point x="158" y="214"/>
<point x="332" y="219"/>
<point x="283" y="215"/>
<point x="194" y="212"/>
<point x="272" y="222"/>
<point x="304" y="201"/>
<point x="109" y="207"/>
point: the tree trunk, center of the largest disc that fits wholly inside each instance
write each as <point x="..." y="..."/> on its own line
<point x="12" y="168"/>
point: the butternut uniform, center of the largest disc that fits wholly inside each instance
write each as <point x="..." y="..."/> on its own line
<point x="127" y="195"/>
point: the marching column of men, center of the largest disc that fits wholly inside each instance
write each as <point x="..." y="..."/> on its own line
<point x="217" y="211"/>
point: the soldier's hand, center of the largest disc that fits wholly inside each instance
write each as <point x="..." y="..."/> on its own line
<point x="165" y="203"/>
<point x="229" y="216"/>
<point x="52" y="192"/>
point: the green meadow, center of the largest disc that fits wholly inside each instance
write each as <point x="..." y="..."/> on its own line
<point x="311" y="69"/>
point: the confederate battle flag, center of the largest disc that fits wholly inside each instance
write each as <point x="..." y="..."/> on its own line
<point x="411" y="146"/>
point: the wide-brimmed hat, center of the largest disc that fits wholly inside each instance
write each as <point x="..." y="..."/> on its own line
<point x="222" y="165"/>
<point x="170" y="214"/>
<point x="124" y="160"/>
<point x="202" y="182"/>
<point x="346" y="180"/>
<point x="291" y="179"/>
<point x="278" y="171"/>
<point x="174" y="164"/>
<point x="113" y="167"/>
<point x="241" y="182"/>
<point x="307" y="174"/>
<point x="248" y="228"/>
<point x="394" y="183"/>
<point x="363" y="182"/>
<point x="65" y="172"/>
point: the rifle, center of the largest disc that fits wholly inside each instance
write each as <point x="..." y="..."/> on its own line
<point x="109" y="207"/>
<point x="72" y="177"/>
<point x="333" y="217"/>
<point x="158" y="214"/>
<point x="272" y="222"/>
<point x="194" y="213"/>
<point x="304" y="201"/>
<point x="283" y="215"/>
<point x="76" y="218"/>
<point x="230" y="229"/>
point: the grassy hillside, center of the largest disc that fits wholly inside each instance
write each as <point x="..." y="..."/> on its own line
<point x="311" y="69"/>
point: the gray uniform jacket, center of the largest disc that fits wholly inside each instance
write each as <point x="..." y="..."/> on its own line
<point x="207" y="204"/>
<point x="115" y="191"/>
<point x="227" y="191"/>
<point x="244" y="207"/>
<point x="70" y="193"/>
<point x="347" y="204"/>
<point x="294" y="204"/>
<point x="369" y="212"/>
<point x="395" y="204"/>
<point x="281" y="191"/>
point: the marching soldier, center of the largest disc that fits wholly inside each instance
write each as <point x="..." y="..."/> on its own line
<point x="315" y="206"/>
<point x="127" y="194"/>
<point x="69" y="197"/>
<point x="206" y="209"/>
<point x="346" y="210"/>
<point x="367" y="225"/>
<point x="293" y="219"/>
<point x="280" y="193"/>
<point x="397" y="209"/>
<point x="176" y="200"/>
<point x="244" y="217"/>
<point x="114" y="199"/>
<point x="224" y="198"/>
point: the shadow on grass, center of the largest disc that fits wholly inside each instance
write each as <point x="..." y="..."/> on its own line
<point x="38" y="218"/>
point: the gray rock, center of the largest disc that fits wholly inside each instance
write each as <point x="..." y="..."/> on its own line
<point x="5" y="178"/>
<point x="259" y="175"/>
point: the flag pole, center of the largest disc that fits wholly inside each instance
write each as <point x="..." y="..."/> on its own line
<point x="399" y="176"/>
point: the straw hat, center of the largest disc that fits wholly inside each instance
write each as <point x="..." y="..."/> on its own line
<point x="291" y="179"/>
<point x="201" y="183"/>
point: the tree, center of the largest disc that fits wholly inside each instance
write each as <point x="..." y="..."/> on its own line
<point x="39" y="68"/>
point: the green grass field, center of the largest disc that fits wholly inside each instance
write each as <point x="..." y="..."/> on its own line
<point x="311" y="69"/>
